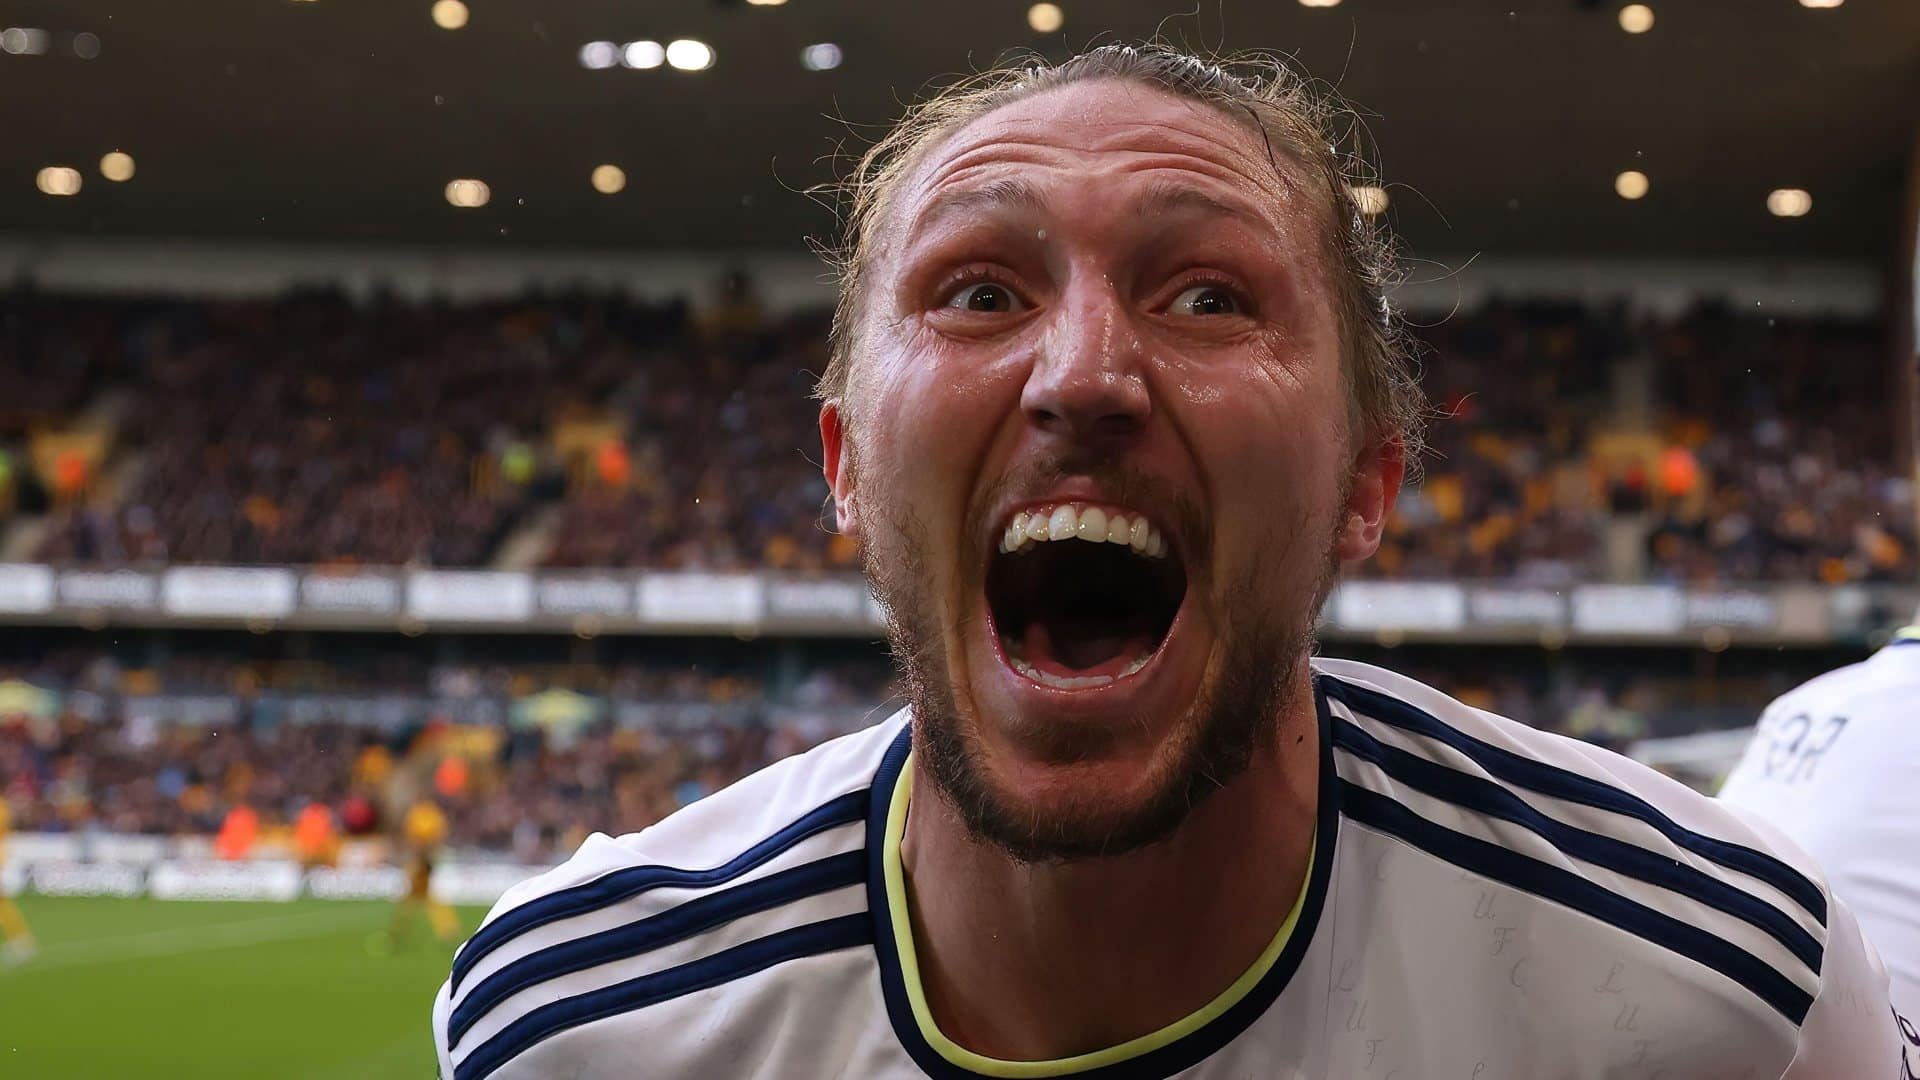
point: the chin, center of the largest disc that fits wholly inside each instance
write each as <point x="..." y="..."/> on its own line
<point x="1107" y="785"/>
<point x="1053" y="776"/>
<point x="1062" y="811"/>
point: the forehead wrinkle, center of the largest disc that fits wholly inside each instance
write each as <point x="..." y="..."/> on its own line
<point x="1145" y="143"/>
<point x="1132" y="140"/>
<point x="1172" y="192"/>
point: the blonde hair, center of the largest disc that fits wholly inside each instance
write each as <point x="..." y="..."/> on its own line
<point x="1261" y="91"/>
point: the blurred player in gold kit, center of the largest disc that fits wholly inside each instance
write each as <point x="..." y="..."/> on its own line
<point x="423" y="831"/>
<point x="13" y="926"/>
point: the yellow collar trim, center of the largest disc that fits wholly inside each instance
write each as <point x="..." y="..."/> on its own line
<point x="998" y="1067"/>
<point x="1907" y="633"/>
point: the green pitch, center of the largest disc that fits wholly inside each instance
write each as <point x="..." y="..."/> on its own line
<point x="146" y="988"/>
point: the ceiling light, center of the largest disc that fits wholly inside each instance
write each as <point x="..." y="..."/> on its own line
<point x="690" y="55"/>
<point x="609" y="179"/>
<point x="117" y="167"/>
<point x="644" y="54"/>
<point x="1789" y="202"/>
<point x="449" y="14"/>
<point x="86" y="46"/>
<point x="1636" y="18"/>
<point x="467" y="194"/>
<point x="766" y="3"/>
<point x="1371" y="200"/>
<point x="598" y="55"/>
<point x="58" y="180"/>
<point x="1045" y="18"/>
<point x="23" y="41"/>
<point x="1319" y="3"/>
<point x="1821" y="3"/>
<point x="1631" y="184"/>
<point x="822" y="57"/>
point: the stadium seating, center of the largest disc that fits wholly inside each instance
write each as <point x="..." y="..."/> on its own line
<point x="115" y="761"/>
<point x="172" y="748"/>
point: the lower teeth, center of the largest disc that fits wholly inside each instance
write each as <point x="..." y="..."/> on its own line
<point x="1069" y="682"/>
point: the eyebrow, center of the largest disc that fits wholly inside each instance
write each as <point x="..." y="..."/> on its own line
<point x="1000" y="195"/>
<point x="1165" y="198"/>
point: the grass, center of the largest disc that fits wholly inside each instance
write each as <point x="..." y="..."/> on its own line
<point x="148" y="988"/>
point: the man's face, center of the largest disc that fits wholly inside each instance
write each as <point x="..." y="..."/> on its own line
<point x="1099" y="302"/>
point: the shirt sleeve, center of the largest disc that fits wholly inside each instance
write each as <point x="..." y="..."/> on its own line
<point x="1851" y="1030"/>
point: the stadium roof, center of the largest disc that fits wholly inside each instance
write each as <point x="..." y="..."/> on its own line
<point x="1503" y="125"/>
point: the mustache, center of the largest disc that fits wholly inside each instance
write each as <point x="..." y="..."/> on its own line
<point x="1033" y="477"/>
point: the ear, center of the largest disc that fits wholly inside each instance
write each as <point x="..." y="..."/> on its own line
<point x="838" y="469"/>
<point x="1378" y="469"/>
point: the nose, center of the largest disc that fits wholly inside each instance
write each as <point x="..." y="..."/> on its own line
<point x="1088" y="382"/>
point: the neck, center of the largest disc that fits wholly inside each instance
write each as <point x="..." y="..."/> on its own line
<point x="1033" y="962"/>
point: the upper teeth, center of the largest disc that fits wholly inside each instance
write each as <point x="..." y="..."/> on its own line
<point x="1078" y="521"/>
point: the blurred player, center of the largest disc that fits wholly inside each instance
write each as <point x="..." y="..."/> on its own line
<point x="423" y="830"/>
<point x="1835" y="764"/>
<point x="315" y="839"/>
<point x="18" y="940"/>
<point x="1115" y="392"/>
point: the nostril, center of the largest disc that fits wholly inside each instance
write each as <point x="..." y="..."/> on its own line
<point x="1117" y="424"/>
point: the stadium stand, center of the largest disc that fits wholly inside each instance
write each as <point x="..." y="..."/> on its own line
<point x="1718" y="447"/>
<point x="174" y="748"/>
<point x="518" y="779"/>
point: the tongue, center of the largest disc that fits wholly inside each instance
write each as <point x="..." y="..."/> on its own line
<point x="1077" y="647"/>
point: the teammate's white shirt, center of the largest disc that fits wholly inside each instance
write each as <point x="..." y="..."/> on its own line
<point x="1485" y="901"/>
<point x="1836" y="765"/>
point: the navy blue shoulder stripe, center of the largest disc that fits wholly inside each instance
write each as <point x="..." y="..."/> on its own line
<point x="656" y="931"/>
<point x="1486" y="797"/>
<point x="1559" y="783"/>
<point x="813" y="939"/>
<point x="622" y="884"/>
<point x="1553" y="883"/>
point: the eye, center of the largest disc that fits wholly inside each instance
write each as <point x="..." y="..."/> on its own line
<point x="1206" y="299"/>
<point x="984" y="296"/>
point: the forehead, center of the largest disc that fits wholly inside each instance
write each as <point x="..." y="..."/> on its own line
<point x="1103" y="129"/>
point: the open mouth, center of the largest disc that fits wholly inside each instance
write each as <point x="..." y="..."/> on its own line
<point x="1082" y="596"/>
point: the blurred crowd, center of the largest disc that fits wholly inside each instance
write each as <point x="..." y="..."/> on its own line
<point x="311" y="430"/>
<point x="1712" y="448"/>
<point x="1569" y="441"/>
<point x="109" y="755"/>
<point x="522" y="792"/>
<point x="533" y="785"/>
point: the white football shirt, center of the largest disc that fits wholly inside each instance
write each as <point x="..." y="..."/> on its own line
<point x="1485" y="901"/>
<point x="1835" y="764"/>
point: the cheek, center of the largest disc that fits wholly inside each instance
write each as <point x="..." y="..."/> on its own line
<point x="931" y="416"/>
<point x="1269" y="433"/>
<point x="1272" y="475"/>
